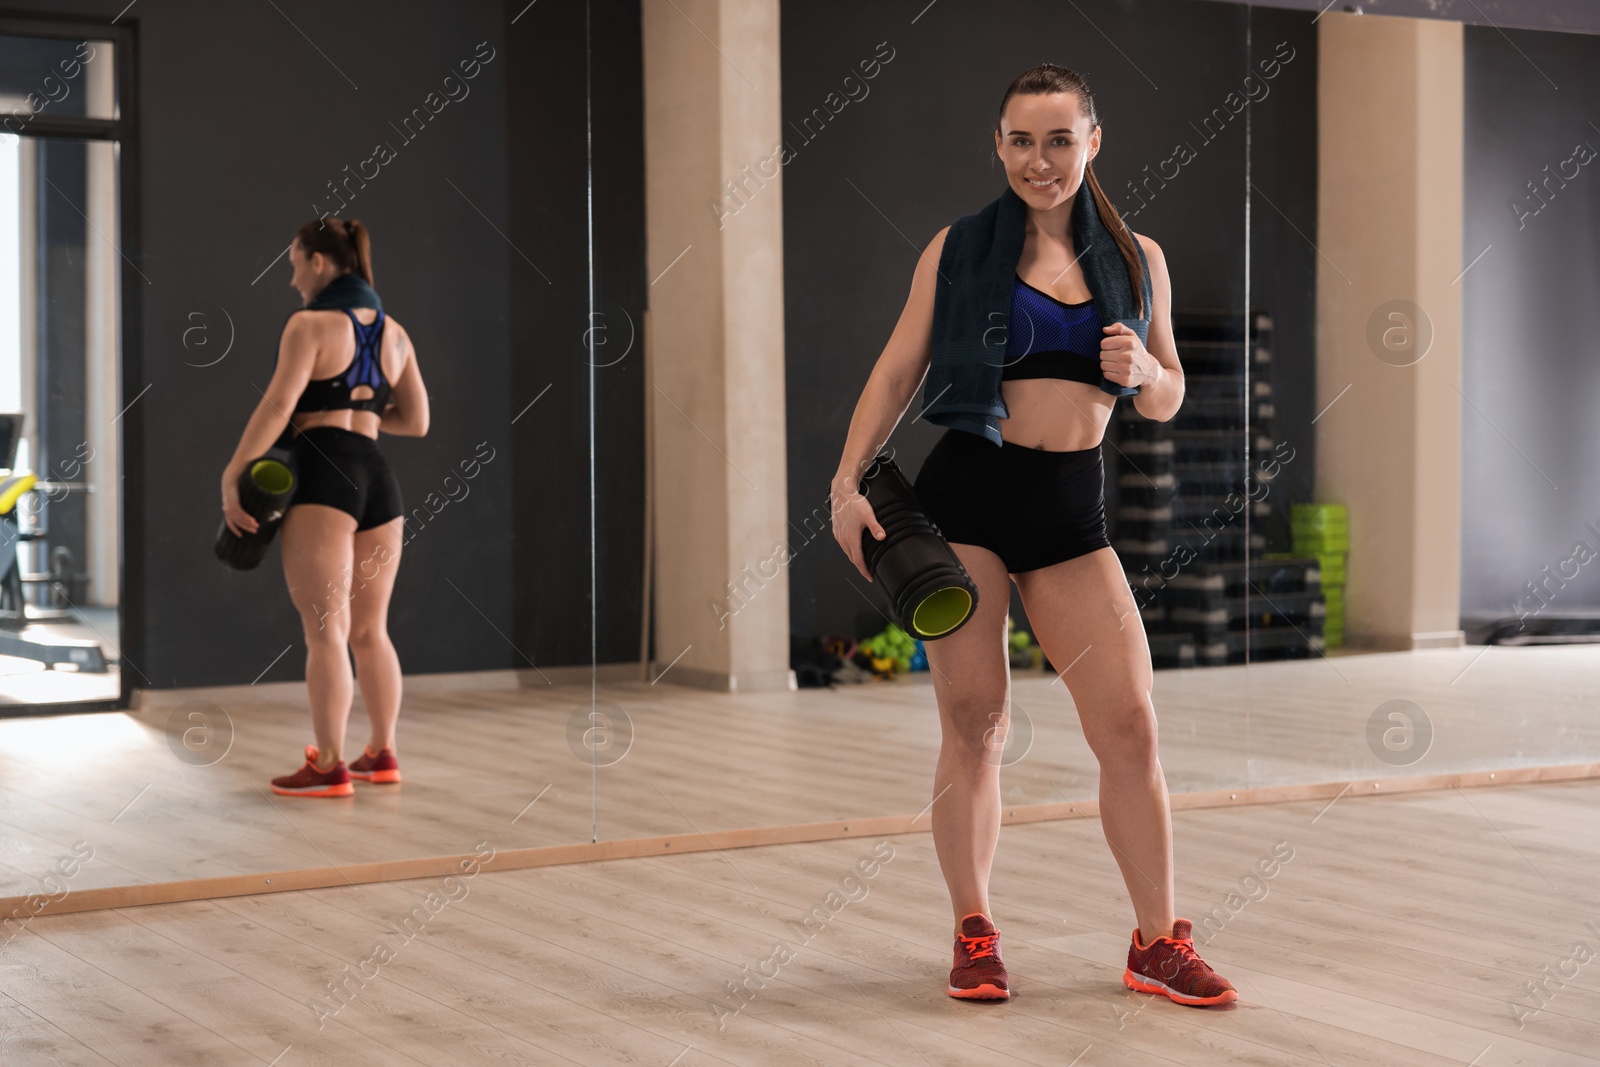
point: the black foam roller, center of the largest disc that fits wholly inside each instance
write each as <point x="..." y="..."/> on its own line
<point x="928" y="589"/>
<point x="265" y="489"/>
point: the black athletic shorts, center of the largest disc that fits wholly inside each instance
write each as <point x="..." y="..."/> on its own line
<point x="345" y="470"/>
<point x="1030" y="507"/>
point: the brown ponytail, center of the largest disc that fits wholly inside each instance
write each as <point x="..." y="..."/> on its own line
<point x="346" y="243"/>
<point x="361" y="241"/>
<point x="1049" y="78"/>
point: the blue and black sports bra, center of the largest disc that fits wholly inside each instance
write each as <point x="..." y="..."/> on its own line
<point x="1049" y="338"/>
<point x="366" y="368"/>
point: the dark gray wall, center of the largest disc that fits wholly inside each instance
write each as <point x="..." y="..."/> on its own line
<point x="555" y="320"/>
<point x="1282" y="245"/>
<point x="244" y="122"/>
<point x="1531" y="446"/>
<point x="864" y="195"/>
<point x="238" y="147"/>
<point x="1283" y="256"/>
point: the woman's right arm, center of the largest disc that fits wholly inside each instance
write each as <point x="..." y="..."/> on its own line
<point x="894" y="381"/>
<point x="297" y="354"/>
<point x="407" y="412"/>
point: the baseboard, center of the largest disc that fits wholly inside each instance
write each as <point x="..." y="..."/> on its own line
<point x="446" y="681"/>
<point x="1404" y="642"/>
<point x="724" y="682"/>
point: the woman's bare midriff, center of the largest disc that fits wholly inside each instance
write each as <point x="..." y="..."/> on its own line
<point x="1054" y="414"/>
<point x="361" y="422"/>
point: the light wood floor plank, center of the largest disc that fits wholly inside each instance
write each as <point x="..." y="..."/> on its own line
<point x="1399" y="933"/>
<point x="27" y="1037"/>
<point x="475" y="758"/>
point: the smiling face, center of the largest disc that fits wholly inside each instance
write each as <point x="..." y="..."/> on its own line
<point x="1045" y="141"/>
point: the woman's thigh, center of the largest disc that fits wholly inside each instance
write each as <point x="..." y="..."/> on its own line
<point x="377" y="561"/>
<point x="1085" y="618"/>
<point x="971" y="672"/>
<point x="318" y="544"/>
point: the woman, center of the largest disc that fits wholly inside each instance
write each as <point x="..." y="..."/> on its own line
<point x="1017" y="487"/>
<point x="345" y="371"/>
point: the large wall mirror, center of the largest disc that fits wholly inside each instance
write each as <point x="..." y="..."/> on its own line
<point x="150" y="186"/>
<point x="647" y="261"/>
<point x="1308" y="539"/>
<point x="1436" y="490"/>
<point x="61" y="279"/>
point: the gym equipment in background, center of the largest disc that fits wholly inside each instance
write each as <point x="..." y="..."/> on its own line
<point x="32" y="631"/>
<point x="1195" y="556"/>
<point x="929" y="590"/>
<point x="265" y="489"/>
<point x="12" y="486"/>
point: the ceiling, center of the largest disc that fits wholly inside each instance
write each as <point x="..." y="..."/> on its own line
<point x="1568" y="16"/>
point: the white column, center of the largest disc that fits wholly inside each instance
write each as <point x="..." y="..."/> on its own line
<point x="1390" y="110"/>
<point x="716" y="353"/>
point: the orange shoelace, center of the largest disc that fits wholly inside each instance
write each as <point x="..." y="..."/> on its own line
<point x="979" y="946"/>
<point x="1184" y="955"/>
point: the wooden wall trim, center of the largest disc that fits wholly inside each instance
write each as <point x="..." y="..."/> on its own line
<point x="127" y="896"/>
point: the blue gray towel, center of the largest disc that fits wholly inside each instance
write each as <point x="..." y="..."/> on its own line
<point x="972" y="306"/>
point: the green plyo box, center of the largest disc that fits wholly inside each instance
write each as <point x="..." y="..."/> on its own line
<point x="1333" y="518"/>
<point x="1319" y="542"/>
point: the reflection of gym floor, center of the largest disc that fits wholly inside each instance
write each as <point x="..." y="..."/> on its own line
<point x="498" y="765"/>
<point x="28" y="681"/>
<point x="1400" y="932"/>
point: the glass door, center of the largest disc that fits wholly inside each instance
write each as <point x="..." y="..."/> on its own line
<point x="60" y="401"/>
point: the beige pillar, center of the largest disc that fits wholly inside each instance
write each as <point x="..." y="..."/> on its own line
<point x="714" y="204"/>
<point x="1389" y="231"/>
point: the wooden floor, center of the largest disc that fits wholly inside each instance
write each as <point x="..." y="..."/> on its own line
<point x="31" y="683"/>
<point x="26" y="681"/>
<point x="1400" y="933"/>
<point x="497" y="764"/>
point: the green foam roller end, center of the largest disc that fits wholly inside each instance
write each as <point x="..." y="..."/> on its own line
<point x="271" y="476"/>
<point x="942" y="611"/>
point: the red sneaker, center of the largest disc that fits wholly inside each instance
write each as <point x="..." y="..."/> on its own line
<point x="978" y="973"/>
<point x="1170" y="966"/>
<point x="380" y="766"/>
<point x="310" y="782"/>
